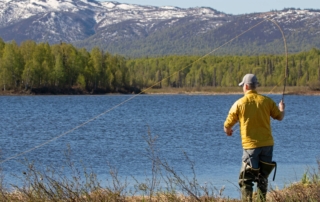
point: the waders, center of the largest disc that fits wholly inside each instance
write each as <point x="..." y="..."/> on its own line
<point x="249" y="175"/>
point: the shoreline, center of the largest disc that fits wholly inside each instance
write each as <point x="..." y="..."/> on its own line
<point x="175" y="91"/>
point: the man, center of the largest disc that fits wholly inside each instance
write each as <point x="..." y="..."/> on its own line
<point x="253" y="111"/>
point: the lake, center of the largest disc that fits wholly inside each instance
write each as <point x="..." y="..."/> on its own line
<point x="190" y="124"/>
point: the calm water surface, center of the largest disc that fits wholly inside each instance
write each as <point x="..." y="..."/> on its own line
<point x="183" y="123"/>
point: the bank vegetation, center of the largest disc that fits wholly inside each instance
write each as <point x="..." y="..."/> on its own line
<point x="64" y="69"/>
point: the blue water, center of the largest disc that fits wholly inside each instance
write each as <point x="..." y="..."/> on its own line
<point x="182" y="123"/>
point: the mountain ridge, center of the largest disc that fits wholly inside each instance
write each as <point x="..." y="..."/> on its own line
<point x="133" y="30"/>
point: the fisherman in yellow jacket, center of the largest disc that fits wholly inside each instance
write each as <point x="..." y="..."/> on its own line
<point x="253" y="112"/>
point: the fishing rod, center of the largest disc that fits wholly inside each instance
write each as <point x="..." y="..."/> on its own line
<point x="157" y="83"/>
<point x="286" y="55"/>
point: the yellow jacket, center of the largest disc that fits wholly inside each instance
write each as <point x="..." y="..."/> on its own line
<point x="253" y="111"/>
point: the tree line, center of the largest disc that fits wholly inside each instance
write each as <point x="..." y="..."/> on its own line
<point x="62" y="66"/>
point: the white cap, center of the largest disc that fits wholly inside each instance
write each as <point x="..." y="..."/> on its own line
<point x="249" y="79"/>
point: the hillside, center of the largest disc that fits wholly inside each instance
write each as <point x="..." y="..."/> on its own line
<point x="136" y="31"/>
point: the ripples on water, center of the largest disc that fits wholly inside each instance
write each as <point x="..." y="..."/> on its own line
<point x="183" y="123"/>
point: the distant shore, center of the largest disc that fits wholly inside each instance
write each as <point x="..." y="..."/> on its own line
<point x="192" y="91"/>
<point x="232" y="90"/>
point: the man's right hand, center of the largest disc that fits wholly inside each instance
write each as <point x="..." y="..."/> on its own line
<point x="282" y="106"/>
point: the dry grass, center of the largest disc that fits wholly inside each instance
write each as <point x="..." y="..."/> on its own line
<point x="308" y="189"/>
<point x="297" y="192"/>
<point x="290" y="90"/>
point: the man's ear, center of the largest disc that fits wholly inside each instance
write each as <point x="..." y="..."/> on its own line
<point x="247" y="87"/>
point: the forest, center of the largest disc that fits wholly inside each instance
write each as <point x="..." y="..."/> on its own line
<point x="58" y="68"/>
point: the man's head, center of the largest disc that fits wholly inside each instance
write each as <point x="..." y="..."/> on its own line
<point x="249" y="80"/>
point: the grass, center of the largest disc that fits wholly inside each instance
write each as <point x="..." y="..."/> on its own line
<point x="233" y="90"/>
<point x="164" y="184"/>
<point x="308" y="189"/>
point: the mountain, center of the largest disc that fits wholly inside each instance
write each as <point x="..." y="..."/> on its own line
<point x="135" y="30"/>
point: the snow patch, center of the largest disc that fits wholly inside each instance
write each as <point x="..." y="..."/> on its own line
<point x="108" y="4"/>
<point x="169" y="7"/>
<point x="89" y="3"/>
<point x="126" y="6"/>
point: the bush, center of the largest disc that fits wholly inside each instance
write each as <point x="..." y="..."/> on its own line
<point x="314" y="85"/>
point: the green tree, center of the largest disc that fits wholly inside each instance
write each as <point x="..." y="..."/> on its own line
<point x="11" y="66"/>
<point x="2" y="45"/>
<point x="27" y="49"/>
<point x="97" y="63"/>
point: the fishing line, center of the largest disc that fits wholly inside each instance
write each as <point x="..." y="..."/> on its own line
<point x="118" y="105"/>
<point x="286" y="67"/>
<point x="286" y="54"/>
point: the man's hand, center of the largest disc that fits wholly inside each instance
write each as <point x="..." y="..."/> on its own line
<point x="228" y="131"/>
<point x="282" y="106"/>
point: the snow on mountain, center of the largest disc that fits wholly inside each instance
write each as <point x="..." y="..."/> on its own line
<point x="86" y="18"/>
<point x="15" y="10"/>
<point x="77" y="20"/>
<point x="122" y="12"/>
<point x="294" y="20"/>
<point x="108" y="12"/>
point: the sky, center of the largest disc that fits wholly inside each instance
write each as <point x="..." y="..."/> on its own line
<point x="231" y="6"/>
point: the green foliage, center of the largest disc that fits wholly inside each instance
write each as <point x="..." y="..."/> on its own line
<point x="63" y="66"/>
<point x="11" y="66"/>
<point x="305" y="178"/>
<point x="81" y="81"/>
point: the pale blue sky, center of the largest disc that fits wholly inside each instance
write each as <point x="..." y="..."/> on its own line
<point x="231" y="6"/>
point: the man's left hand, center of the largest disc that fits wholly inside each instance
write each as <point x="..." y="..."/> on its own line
<point x="228" y="131"/>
